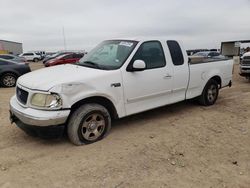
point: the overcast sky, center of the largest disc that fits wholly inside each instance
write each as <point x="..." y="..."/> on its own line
<point x="198" y="23"/>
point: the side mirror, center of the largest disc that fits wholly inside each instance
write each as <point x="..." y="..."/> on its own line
<point x="138" y="65"/>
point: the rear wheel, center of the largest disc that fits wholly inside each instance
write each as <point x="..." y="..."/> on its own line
<point x="8" y="80"/>
<point x="88" y="124"/>
<point x="209" y="94"/>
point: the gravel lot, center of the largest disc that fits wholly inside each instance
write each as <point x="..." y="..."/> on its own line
<point x="182" y="145"/>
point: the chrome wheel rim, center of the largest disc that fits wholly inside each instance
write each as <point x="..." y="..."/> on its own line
<point x="93" y="126"/>
<point x="9" y="81"/>
<point x="212" y="93"/>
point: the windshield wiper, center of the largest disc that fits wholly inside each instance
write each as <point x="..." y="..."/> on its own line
<point x="92" y="63"/>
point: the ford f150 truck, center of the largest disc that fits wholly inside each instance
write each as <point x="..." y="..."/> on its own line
<point x="117" y="78"/>
<point x="245" y="65"/>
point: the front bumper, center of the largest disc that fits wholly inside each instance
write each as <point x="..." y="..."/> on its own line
<point x="244" y="69"/>
<point x="33" y="117"/>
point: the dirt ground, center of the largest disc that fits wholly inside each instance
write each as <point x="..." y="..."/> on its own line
<point x="182" y="145"/>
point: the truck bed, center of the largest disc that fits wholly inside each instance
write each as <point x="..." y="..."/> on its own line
<point x="197" y="60"/>
<point x="200" y="71"/>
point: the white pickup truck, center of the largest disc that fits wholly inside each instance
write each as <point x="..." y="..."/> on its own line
<point x="245" y="65"/>
<point x="116" y="79"/>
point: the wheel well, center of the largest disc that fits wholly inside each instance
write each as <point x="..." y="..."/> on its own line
<point x="99" y="100"/>
<point x="217" y="79"/>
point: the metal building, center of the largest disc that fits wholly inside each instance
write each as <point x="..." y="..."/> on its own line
<point x="10" y="47"/>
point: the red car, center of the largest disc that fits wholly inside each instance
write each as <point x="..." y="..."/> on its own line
<point x="64" y="59"/>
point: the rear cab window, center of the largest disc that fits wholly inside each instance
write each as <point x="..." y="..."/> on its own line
<point x="175" y="52"/>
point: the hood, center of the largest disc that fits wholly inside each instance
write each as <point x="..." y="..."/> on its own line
<point x="47" y="78"/>
<point x="246" y="54"/>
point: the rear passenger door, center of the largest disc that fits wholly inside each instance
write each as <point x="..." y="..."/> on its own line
<point x="180" y="71"/>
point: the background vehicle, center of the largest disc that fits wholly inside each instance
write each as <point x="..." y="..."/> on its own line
<point x="210" y="54"/>
<point x="12" y="58"/>
<point x="117" y="78"/>
<point x="64" y="59"/>
<point x="41" y="53"/>
<point x="10" y="71"/>
<point x="245" y="65"/>
<point x="54" y="56"/>
<point x="31" y="56"/>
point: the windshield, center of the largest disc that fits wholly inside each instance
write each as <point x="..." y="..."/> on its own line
<point x="108" y="55"/>
<point x="54" y="55"/>
<point x="61" y="56"/>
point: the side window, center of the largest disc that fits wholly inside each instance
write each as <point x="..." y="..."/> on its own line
<point x="68" y="56"/>
<point x="78" y="55"/>
<point x="28" y="54"/>
<point x="175" y="52"/>
<point x="152" y="54"/>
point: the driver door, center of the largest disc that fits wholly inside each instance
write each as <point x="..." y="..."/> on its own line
<point x="152" y="87"/>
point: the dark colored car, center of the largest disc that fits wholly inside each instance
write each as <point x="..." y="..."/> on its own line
<point x="10" y="71"/>
<point x="65" y="59"/>
<point x="48" y="58"/>
<point x="13" y="58"/>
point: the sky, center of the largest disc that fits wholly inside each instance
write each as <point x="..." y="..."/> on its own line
<point x="198" y="23"/>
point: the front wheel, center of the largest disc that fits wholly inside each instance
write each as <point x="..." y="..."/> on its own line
<point x="209" y="94"/>
<point x="8" y="80"/>
<point x="88" y="124"/>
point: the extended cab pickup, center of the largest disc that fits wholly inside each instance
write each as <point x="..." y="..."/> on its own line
<point x="116" y="79"/>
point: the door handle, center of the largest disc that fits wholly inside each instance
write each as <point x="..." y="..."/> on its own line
<point x="168" y="76"/>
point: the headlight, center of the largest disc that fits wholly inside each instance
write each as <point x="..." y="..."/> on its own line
<point x="49" y="101"/>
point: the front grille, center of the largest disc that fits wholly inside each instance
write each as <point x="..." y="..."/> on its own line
<point x="22" y="96"/>
<point x="246" y="57"/>
<point x="245" y="62"/>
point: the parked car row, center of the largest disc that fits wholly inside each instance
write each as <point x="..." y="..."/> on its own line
<point x="12" y="66"/>
<point x="209" y="55"/>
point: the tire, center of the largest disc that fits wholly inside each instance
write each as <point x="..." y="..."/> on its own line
<point x="8" y="80"/>
<point x="35" y="60"/>
<point x="210" y="93"/>
<point x="88" y="124"/>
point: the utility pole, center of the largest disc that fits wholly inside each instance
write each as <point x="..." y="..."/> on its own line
<point x="64" y="40"/>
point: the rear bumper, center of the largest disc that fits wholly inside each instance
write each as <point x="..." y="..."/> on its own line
<point x="35" y="117"/>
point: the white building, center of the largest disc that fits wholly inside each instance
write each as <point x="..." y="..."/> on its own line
<point x="11" y="47"/>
